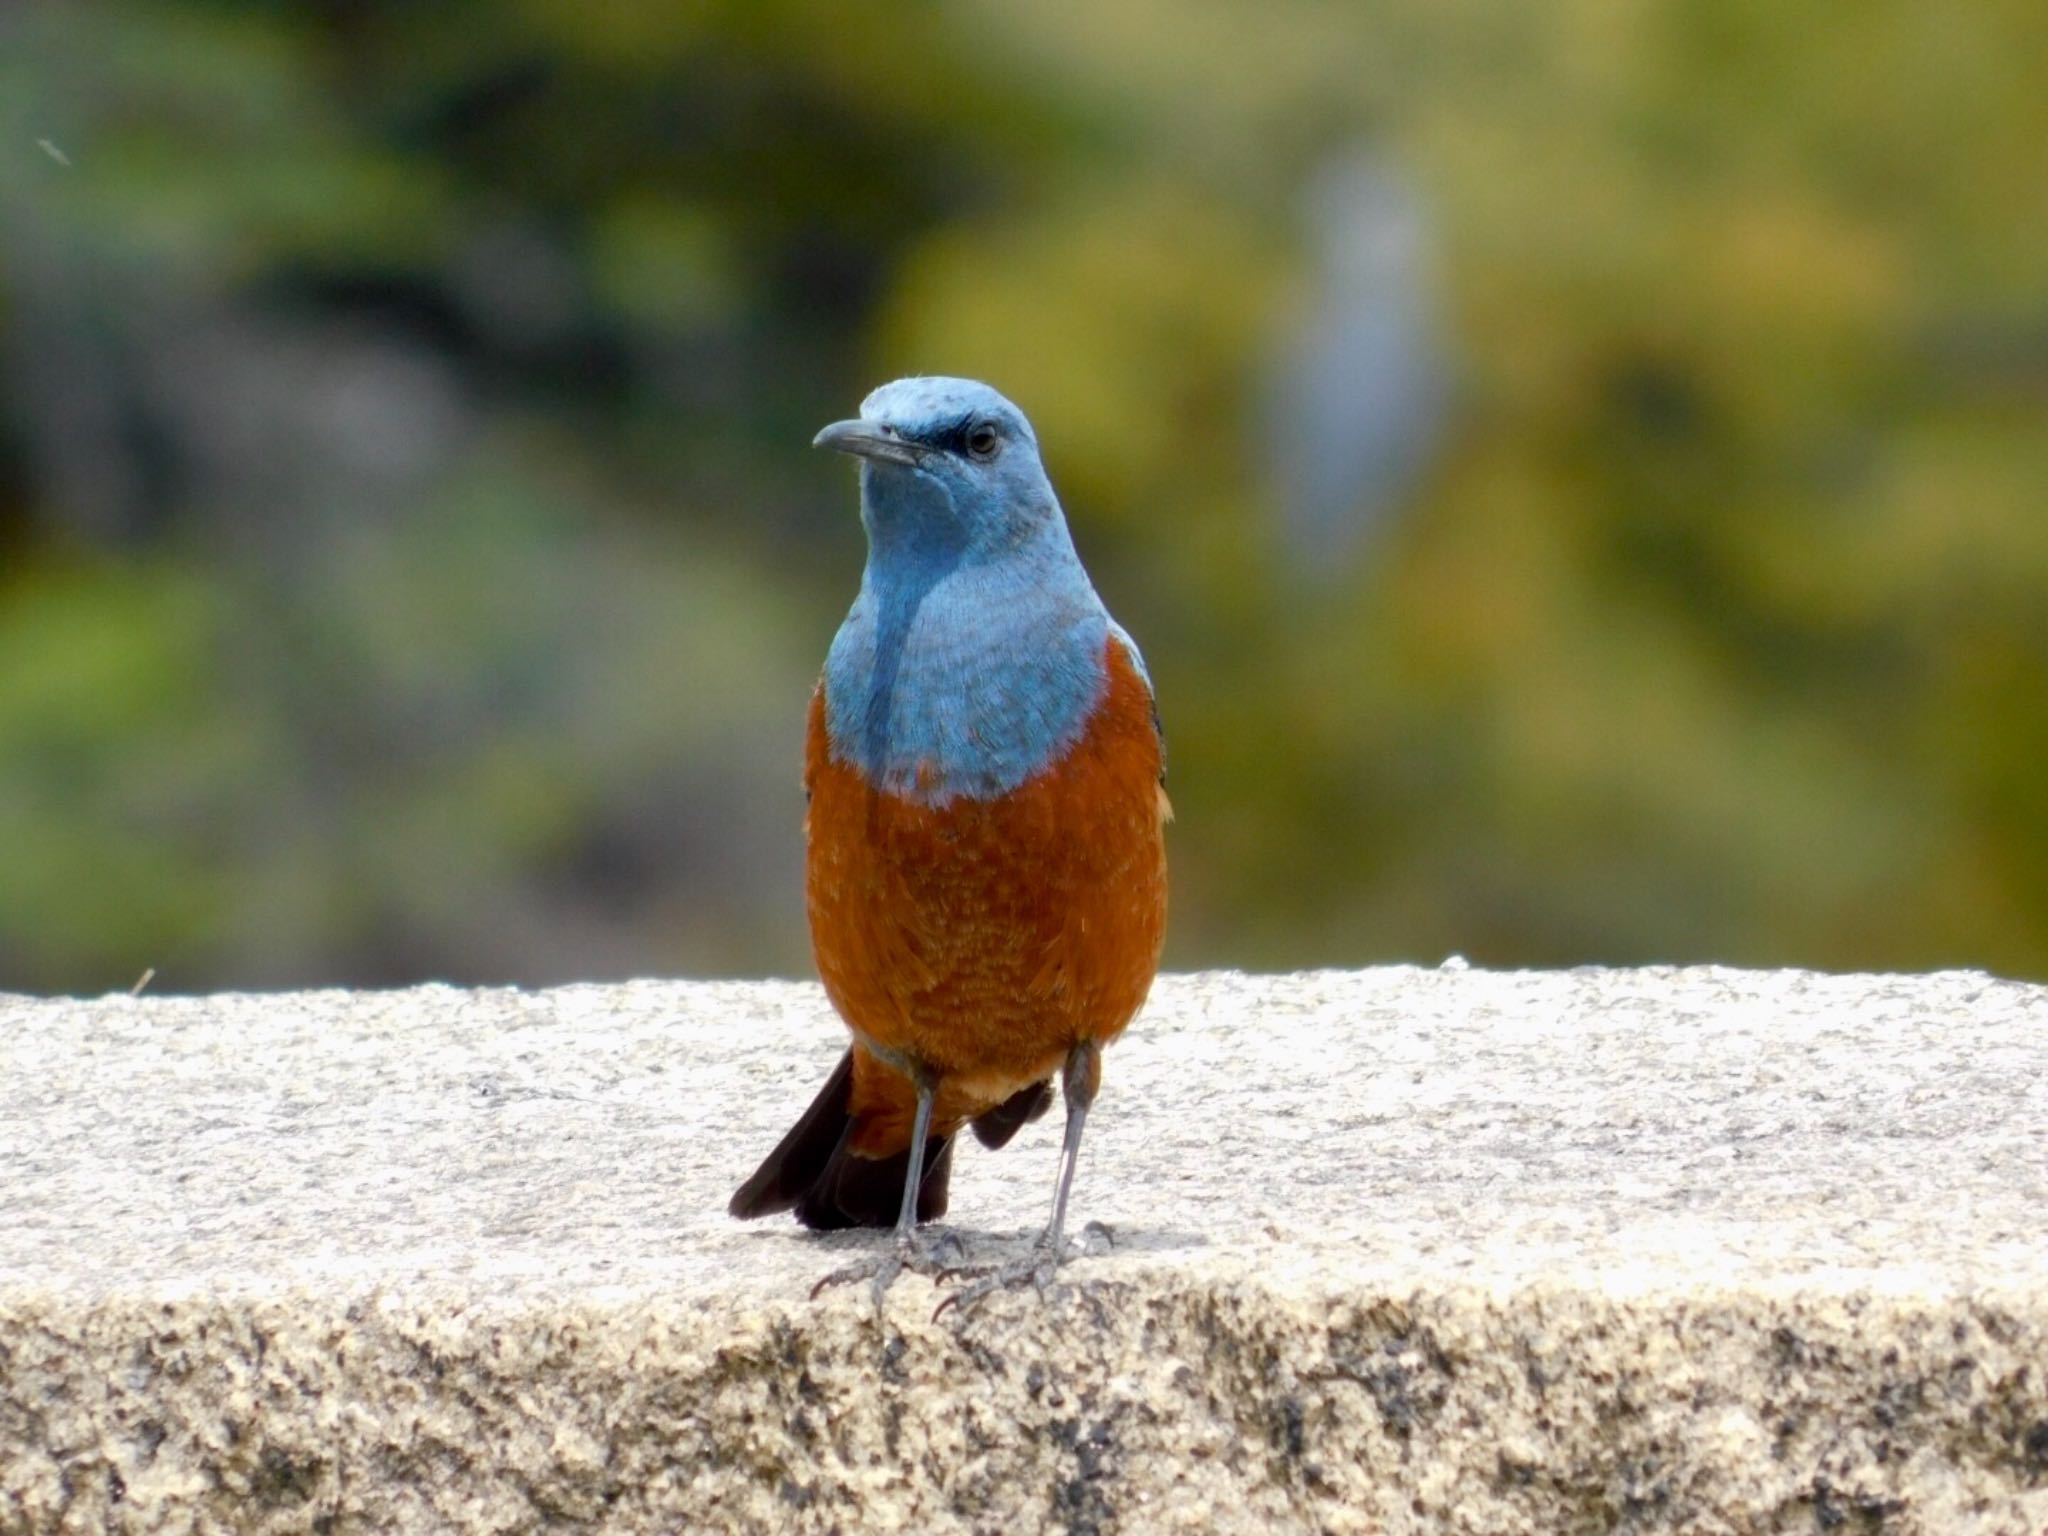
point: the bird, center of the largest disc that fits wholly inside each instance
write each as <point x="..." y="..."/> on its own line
<point x="985" y="864"/>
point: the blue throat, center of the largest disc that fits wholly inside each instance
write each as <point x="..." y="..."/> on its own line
<point x="973" y="656"/>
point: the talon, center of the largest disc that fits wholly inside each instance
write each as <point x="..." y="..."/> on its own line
<point x="845" y="1275"/>
<point x="881" y="1272"/>
<point x="885" y="1268"/>
<point x="1038" y="1270"/>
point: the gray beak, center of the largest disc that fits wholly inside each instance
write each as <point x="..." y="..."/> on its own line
<point x="868" y="440"/>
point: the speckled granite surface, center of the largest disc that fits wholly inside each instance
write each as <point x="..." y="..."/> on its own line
<point x="1397" y="1250"/>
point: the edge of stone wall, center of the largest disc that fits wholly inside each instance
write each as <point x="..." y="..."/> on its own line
<point x="1658" y="1250"/>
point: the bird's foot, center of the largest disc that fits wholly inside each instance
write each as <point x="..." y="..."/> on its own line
<point x="1036" y="1269"/>
<point x="920" y="1255"/>
<point x="1039" y="1269"/>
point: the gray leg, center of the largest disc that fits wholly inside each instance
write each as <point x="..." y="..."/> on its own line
<point x="913" y="1178"/>
<point x="1081" y="1076"/>
<point x="883" y="1269"/>
<point x="1079" y="1080"/>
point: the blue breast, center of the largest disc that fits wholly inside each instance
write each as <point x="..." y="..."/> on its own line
<point x="958" y="678"/>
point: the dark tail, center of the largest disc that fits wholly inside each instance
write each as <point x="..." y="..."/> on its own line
<point x="994" y="1128"/>
<point x="812" y="1172"/>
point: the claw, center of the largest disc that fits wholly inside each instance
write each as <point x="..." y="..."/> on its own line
<point x="884" y="1269"/>
<point x="1039" y="1269"/>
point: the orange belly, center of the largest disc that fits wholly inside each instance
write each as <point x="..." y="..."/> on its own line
<point x="982" y="939"/>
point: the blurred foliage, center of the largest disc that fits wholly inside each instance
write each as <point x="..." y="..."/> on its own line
<point x="411" y="565"/>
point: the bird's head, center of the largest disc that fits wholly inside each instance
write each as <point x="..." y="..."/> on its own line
<point x="948" y="467"/>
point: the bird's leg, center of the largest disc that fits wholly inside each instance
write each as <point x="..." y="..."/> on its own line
<point x="904" y="1250"/>
<point x="913" y="1175"/>
<point x="1078" y="1082"/>
<point x="1079" y="1079"/>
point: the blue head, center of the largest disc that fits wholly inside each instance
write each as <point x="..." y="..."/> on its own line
<point x="949" y="472"/>
<point x="973" y="655"/>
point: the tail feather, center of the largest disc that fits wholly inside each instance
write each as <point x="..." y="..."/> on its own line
<point x="802" y="1155"/>
<point x="993" y="1128"/>
<point x="812" y="1172"/>
<point x="868" y="1191"/>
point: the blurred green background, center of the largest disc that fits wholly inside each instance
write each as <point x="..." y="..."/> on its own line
<point x="1579" y="472"/>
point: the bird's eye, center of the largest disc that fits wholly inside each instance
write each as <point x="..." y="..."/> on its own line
<point x="983" y="440"/>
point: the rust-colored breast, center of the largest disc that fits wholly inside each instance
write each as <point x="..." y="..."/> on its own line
<point x="984" y="938"/>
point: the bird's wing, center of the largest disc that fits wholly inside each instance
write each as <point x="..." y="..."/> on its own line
<point x="1123" y="638"/>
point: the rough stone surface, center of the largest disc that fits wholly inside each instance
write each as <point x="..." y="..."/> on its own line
<point x="1397" y="1251"/>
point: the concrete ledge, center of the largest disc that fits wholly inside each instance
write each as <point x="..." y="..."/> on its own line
<point x="1399" y="1251"/>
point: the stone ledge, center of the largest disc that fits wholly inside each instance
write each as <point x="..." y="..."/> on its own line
<point x="1400" y="1250"/>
